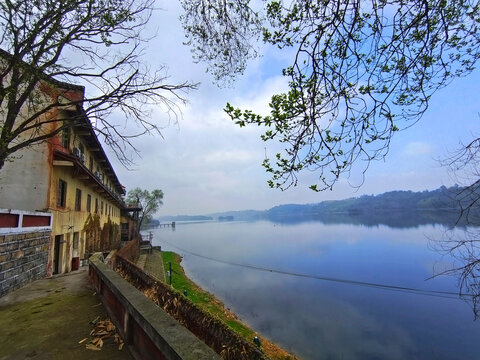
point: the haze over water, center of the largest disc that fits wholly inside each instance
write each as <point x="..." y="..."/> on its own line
<point x="319" y="319"/>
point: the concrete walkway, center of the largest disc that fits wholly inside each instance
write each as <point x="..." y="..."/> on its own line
<point x="47" y="318"/>
<point x="152" y="264"/>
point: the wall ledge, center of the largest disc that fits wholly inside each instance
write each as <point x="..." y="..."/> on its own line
<point x="172" y="340"/>
<point x="20" y="225"/>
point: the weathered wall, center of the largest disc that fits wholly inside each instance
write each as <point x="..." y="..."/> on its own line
<point x="24" y="182"/>
<point x="97" y="230"/>
<point x="23" y="258"/>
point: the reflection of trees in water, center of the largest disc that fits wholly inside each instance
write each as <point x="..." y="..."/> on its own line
<point x="460" y="240"/>
<point x="393" y="219"/>
<point x="464" y="248"/>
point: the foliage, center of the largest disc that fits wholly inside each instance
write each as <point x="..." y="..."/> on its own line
<point x="359" y="72"/>
<point x="47" y="45"/>
<point x="149" y="202"/>
<point x="93" y="233"/>
<point x="98" y="238"/>
<point x="221" y="33"/>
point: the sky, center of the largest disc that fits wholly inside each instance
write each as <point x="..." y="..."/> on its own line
<point x="204" y="163"/>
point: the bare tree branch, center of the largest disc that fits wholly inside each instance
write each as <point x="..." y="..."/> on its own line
<point x="37" y="71"/>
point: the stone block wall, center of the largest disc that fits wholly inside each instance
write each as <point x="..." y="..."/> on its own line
<point x="23" y="258"/>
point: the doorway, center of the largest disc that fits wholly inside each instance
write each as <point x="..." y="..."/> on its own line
<point x="56" y="253"/>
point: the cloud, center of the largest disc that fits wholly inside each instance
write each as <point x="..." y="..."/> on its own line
<point x="418" y="148"/>
<point x="206" y="163"/>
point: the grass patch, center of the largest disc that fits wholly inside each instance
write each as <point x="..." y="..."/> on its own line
<point x="212" y="305"/>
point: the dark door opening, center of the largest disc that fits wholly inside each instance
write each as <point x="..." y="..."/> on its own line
<point x="56" y="253"/>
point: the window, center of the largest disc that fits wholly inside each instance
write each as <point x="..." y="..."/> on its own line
<point x="91" y="163"/>
<point x="78" y="200"/>
<point x="96" y="206"/>
<point x="76" y="236"/>
<point x="66" y="138"/>
<point x="89" y="203"/>
<point x="101" y="208"/>
<point x="62" y="193"/>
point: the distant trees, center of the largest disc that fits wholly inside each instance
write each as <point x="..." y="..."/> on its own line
<point x="80" y="42"/>
<point x="149" y="202"/>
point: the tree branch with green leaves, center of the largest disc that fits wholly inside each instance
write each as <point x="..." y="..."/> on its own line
<point x="360" y="71"/>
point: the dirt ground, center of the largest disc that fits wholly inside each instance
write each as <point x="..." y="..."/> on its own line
<point x="49" y="317"/>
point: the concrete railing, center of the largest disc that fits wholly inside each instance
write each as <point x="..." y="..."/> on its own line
<point x="148" y="331"/>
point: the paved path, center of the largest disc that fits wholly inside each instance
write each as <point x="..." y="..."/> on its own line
<point x="153" y="264"/>
<point x="47" y="318"/>
<point x="142" y="259"/>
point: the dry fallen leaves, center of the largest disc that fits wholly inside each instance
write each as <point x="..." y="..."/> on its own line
<point x="92" y="347"/>
<point x="103" y="330"/>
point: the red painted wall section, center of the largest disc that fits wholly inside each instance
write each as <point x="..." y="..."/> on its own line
<point x="33" y="220"/>
<point x="95" y="280"/>
<point x="147" y="349"/>
<point x="111" y="302"/>
<point x="9" y="220"/>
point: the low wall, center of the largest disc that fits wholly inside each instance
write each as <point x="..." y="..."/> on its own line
<point x="24" y="241"/>
<point x="23" y="258"/>
<point x="148" y="331"/>
<point x="208" y="328"/>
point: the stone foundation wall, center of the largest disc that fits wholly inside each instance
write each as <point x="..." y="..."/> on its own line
<point x="23" y="258"/>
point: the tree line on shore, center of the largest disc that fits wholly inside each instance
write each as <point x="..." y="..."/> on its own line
<point x="395" y="208"/>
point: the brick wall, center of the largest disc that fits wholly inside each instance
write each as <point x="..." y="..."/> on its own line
<point x="23" y="258"/>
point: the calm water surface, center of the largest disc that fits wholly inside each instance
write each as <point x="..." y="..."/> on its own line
<point x="318" y="319"/>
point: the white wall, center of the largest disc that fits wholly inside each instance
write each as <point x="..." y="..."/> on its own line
<point x="24" y="181"/>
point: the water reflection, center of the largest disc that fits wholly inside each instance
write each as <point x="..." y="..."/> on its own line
<point x="393" y="219"/>
<point x="324" y="320"/>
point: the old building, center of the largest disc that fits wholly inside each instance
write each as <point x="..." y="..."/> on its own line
<point x="68" y="175"/>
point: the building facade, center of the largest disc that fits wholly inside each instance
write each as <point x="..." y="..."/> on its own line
<point x="68" y="175"/>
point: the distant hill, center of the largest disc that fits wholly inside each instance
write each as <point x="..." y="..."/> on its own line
<point x="185" y="218"/>
<point x="440" y="199"/>
<point x="242" y="215"/>
<point x="387" y="207"/>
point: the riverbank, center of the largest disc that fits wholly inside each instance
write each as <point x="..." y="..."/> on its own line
<point x="209" y="303"/>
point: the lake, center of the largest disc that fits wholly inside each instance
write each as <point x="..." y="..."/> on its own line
<point x="321" y="299"/>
